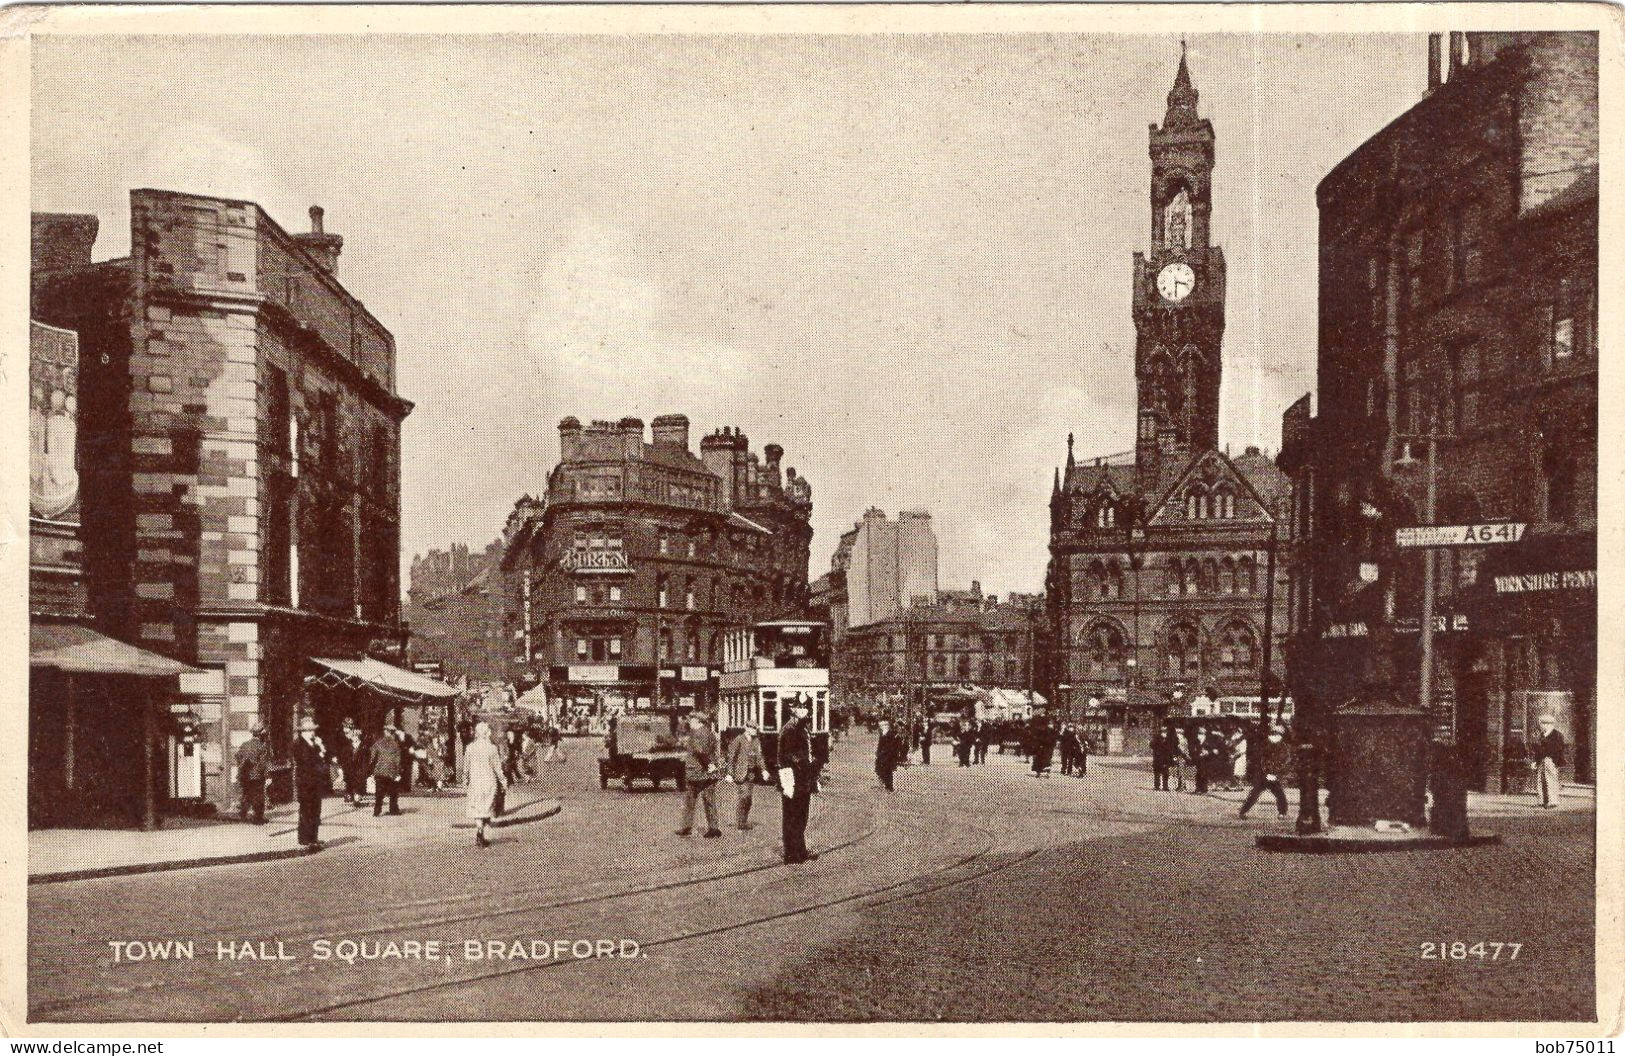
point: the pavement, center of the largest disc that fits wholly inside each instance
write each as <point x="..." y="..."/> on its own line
<point x="980" y="894"/>
<point x="62" y="855"/>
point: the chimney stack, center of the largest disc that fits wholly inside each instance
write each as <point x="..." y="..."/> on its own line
<point x="569" y="439"/>
<point x="671" y="430"/>
<point x="1435" y="61"/>
<point x="322" y="247"/>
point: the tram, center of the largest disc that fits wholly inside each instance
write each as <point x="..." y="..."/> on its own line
<point x="767" y="668"/>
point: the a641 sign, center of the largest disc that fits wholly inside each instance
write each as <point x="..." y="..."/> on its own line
<point x="1459" y="534"/>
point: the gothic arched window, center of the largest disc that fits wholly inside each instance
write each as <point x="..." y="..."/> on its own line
<point x="1210" y="576"/>
<point x="1184" y="650"/>
<point x="1237" y="649"/>
<point x="1176" y="222"/>
<point x="1227" y="576"/>
<point x="1246" y="576"/>
<point x="1106" y="515"/>
<point x="1105" y="648"/>
<point x="1097" y="577"/>
<point x="1192" y="578"/>
<point x="1176" y="575"/>
<point x="1224" y="503"/>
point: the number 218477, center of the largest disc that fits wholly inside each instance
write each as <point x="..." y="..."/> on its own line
<point x="1471" y="951"/>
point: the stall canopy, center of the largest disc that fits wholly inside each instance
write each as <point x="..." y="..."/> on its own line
<point x="407" y="686"/>
<point x="82" y="651"/>
<point x="533" y="700"/>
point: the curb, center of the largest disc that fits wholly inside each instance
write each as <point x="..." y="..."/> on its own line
<point x="519" y="815"/>
<point x="169" y="866"/>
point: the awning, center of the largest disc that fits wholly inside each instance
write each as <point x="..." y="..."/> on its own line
<point x="82" y="651"/>
<point x="385" y="678"/>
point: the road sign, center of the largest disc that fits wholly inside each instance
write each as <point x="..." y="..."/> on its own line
<point x="1459" y="534"/>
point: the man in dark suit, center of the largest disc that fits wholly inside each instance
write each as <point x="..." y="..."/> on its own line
<point x="1272" y="762"/>
<point x="1161" y="758"/>
<point x="889" y="751"/>
<point x="309" y="781"/>
<point x="384" y="763"/>
<point x="1549" y="755"/>
<point x="798" y="776"/>
<point x="253" y="761"/>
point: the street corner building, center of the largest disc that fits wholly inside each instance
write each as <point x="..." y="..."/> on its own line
<point x="1458" y="345"/>
<point x="238" y="453"/>
<point x="1159" y="584"/>
<point x="641" y="554"/>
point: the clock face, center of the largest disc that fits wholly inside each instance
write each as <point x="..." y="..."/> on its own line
<point x="1176" y="281"/>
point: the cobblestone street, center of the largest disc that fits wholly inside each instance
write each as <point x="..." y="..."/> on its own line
<point x="979" y="894"/>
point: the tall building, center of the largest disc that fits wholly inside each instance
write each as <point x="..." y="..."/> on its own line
<point x="886" y="566"/>
<point x="1160" y="558"/>
<point x="241" y="462"/>
<point x="642" y="553"/>
<point x="1458" y="299"/>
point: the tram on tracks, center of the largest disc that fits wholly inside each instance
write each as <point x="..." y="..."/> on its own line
<point x="767" y="669"/>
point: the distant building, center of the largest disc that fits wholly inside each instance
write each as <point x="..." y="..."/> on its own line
<point x="884" y="566"/>
<point x="916" y="655"/>
<point x="641" y="554"/>
<point x="1458" y="297"/>
<point x="1160" y="558"/>
<point x="458" y="608"/>
<point x="241" y="462"/>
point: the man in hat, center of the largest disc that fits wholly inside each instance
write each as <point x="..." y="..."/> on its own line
<point x="352" y="755"/>
<point x="889" y="754"/>
<point x="384" y="762"/>
<point x="1272" y="759"/>
<point x="798" y="777"/>
<point x="253" y="761"/>
<point x="745" y="766"/>
<point x="309" y="781"/>
<point x="701" y="771"/>
<point x="1548" y="756"/>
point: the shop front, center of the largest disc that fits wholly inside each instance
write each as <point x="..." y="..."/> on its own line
<point x="587" y="696"/>
<point x="1533" y="613"/>
<point x="689" y="686"/>
<point x="104" y="722"/>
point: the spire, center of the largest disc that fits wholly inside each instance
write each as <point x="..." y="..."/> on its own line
<point x="1070" y="461"/>
<point x="1182" y="96"/>
<point x="1055" y="489"/>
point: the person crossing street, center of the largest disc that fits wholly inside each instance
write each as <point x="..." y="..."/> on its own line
<point x="745" y="768"/>
<point x="702" y="769"/>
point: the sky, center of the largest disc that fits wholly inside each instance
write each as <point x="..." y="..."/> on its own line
<point x="904" y="258"/>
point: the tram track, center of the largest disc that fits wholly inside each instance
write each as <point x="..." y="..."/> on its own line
<point x="691" y="935"/>
<point x="330" y="926"/>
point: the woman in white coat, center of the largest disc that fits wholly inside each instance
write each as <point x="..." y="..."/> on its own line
<point x="484" y="781"/>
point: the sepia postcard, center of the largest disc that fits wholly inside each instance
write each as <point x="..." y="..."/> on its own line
<point x="836" y="520"/>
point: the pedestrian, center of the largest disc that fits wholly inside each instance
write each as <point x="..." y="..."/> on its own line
<point x="1182" y="753"/>
<point x="701" y="770"/>
<point x="798" y="779"/>
<point x="1161" y="757"/>
<point x="889" y="751"/>
<point x="925" y="744"/>
<point x="1043" y="748"/>
<point x="309" y="782"/>
<point x="384" y="765"/>
<point x="486" y="782"/>
<point x="1200" y="765"/>
<point x="434" y="762"/>
<point x="253" y="761"/>
<point x="984" y="737"/>
<point x="409" y="747"/>
<point x="963" y="742"/>
<point x="1549" y="755"/>
<point x="352" y="762"/>
<point x="745" y="768"/>
<point x="1080" y="760"/>
<point x="1271" y="765"/>
<point x="1063" y="743"/>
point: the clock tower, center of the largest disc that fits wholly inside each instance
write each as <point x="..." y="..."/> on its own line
<point x="1178" y="291"/>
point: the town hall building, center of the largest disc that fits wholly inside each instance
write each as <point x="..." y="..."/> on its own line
<point x="1160" y="558"/>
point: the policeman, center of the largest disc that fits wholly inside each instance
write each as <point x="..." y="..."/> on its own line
<point x="797" y="777"/>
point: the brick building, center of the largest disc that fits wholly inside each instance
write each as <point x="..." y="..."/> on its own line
<point x="641" y="553"/>
<point x="963" y="639"/>
<point x="242" y="477"/>
<point x="1458" y="296"/>
<point x="1160" y="558"/>
<point x="457" y="604"/>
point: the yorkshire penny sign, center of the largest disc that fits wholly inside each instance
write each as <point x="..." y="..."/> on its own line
<point x="1429" y="535"/>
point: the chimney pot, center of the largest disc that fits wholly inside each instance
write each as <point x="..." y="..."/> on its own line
<point x="315" y="219"/>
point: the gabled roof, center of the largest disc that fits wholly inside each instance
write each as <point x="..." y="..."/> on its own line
<point x="1229" y="470"/>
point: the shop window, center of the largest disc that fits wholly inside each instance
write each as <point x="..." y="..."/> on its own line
<point x="583" y="648"/>
<point x="614" y="594"/>
<point x="615" y="648"/>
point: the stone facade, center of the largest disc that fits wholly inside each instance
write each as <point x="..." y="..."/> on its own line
<point x="640" y="555"/>
<point x="458" y="608"/>
<point x="1458" y="296"/>
<point x="244" y="459"/>
<point x="1159" y="558"/>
